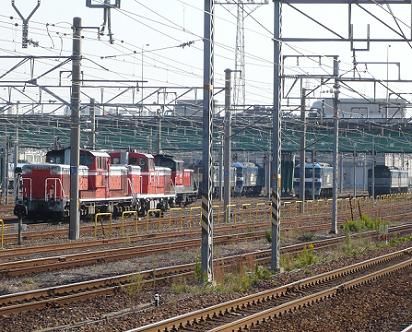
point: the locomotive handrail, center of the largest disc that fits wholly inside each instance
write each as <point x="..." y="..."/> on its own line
<point x="129" y="183"/>
<point x="56" y="180"/>
<point x="128" y="213"/>
<point x="96" y="217"/>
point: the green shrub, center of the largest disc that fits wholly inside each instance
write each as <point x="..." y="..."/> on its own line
<point x="362" y="224"/>
<point x="306" y="257"/>
<point x="135" y="285"/>
<point x="306" y="237"/>
<point x="268" y="236"/>
<point x="198" y="270"/>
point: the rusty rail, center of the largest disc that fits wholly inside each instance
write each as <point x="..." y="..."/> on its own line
<point x="36" y="299"/>
<point x="219" y="310"/>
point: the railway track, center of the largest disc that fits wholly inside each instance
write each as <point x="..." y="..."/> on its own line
<point x="52" y="263"/>
<point x="166" y="234"/>
<point x="290" y="216"/>
<point x="50" y="248"/>
<point x="37" y="299"/>
<point x="248" y="312"/>
<point x="290" y="221"/>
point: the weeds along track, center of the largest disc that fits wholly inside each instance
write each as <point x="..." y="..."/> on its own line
<point x="36" y="299"/>
<point x="248" y="312"/>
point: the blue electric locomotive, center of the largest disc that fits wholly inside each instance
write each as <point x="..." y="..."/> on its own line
<point x="249" y="179"/>
<point x="321" y="174"/>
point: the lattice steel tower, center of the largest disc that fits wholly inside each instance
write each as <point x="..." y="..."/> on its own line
<point x="239" y="85"/>
<point x="243" y="10"/>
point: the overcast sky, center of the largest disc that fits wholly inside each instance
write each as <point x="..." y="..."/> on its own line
<point x="168" y="23"/>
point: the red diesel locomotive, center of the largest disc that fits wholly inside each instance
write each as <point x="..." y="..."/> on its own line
<point x="108" y="182"/>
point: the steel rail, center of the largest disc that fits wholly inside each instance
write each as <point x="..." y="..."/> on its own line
<point x="35" y="299"/>
<point x="37" y="265"/>
<point x="42" y="234"/>
<point x="297" y="217"/>
<point x="23" y="267"/>
<point x="219" y="310"/>
<point x="263" y="316"/>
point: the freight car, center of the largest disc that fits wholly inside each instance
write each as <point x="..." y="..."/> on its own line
<point x="388" y="180"/>
<point x="322" y="179"/>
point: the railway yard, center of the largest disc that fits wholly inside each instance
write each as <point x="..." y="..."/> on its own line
<point x="214" y="165"/>
<point x="108" y="279"/>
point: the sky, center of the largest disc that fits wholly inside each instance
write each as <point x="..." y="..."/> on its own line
<point x="159" y="27"/>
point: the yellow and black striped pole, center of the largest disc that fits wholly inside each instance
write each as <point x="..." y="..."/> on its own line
<point x="207" y="209"/>
<point x="276" y="138"/>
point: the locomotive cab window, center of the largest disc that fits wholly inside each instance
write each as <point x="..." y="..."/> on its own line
<point x="179" y="166"/>
<point x="86" y="159"/>
<point x="101" y="163"/>
<point x="151" y="164"/>
<point x="137" y="161"/>
<point x="115" y="160"/>
<point x="55" y="157"/>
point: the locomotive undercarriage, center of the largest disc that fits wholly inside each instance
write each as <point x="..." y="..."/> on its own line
<point x="59" y="210"/>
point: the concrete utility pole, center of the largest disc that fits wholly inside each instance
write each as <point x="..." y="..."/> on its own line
<point x="159" y="134"/>
<point x="373" y="169"/>
<point x="354" y="171"/>
<point x="93" y="122"/>
<point x="227" y="159"/>
<point x="208" y="92"/>
<point x="74" y="227"/>
<point x="16" y="159"/>
<point x="341" y="173"/>
<point x="221" y="169"/>
<point x="5" y="169"/>
<point x="276" y="138"/>
<point x="335" y="146"/>
<point x="313" y="174"/>
<point x="302" y="149"/>
<point x="365" y="173"/>
<point x="16" y="185"/>
<point x="269" y="169"/>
